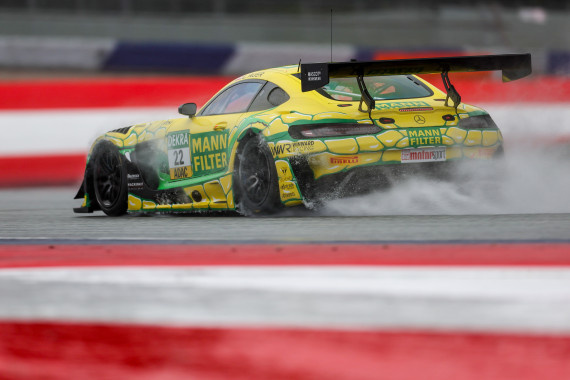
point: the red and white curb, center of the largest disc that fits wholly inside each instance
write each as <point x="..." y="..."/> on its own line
<point x="258" y="311"/>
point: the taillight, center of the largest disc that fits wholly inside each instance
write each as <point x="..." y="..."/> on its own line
<point x="310" y="131"/>
<point x="477" y="122"/>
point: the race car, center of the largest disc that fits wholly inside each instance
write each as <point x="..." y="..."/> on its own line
<point x="292" y="135"/>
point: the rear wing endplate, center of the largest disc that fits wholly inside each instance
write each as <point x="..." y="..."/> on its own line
<point x="513" y="66"/>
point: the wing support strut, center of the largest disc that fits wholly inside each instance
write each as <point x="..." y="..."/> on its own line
<point x="450" y="90"/>
<point x="366" y="98"/>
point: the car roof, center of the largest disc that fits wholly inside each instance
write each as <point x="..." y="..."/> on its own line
<point x="282" y="76"/>
<point x="290" y="69"/>
<point x="266" y="74"/>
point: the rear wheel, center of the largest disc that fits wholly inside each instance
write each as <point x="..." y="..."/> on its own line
<point x="110" y="179"/>
<point x="255" y="178"/>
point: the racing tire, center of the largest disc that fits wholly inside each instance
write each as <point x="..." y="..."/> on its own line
<point x="255" y="179"/>
<point x="110" y="179"/>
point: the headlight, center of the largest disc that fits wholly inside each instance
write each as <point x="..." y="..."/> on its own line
<point x="477" y="122"/>
<point x="310" y="131"/>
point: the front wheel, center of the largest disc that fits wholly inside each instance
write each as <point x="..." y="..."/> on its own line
<point x="255" y="178"/>
<point x="110" y="179"/>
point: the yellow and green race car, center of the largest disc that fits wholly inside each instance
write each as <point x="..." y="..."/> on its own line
<point x="292" y="135"/>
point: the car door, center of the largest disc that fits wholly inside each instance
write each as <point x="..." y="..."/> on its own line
<point x="199" y="147"/>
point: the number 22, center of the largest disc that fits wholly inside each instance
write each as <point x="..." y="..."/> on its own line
<point x="178" y="155"/>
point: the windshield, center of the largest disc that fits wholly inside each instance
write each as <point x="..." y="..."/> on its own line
<point x="380" y="88"/>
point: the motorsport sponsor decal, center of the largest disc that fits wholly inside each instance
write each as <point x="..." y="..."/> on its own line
<point x="424" y="136"/>
<point x="391" y="105"/>
<point x="288" y="186"/>
<point x="134" y="182"/>
<point x="314" y="76"/>
<point x="423" y="155"/>
<point x="283" y="170"/>
<point x="344" y="160"/>
<point x="210" y="152"/>
<point x="179" y="159"/>
<point x="291" y="148"/>
<point x="254" y="75"/>
<point x="288" y="190"/>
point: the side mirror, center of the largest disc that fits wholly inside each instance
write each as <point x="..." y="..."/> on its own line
<point x="188" y="109"/>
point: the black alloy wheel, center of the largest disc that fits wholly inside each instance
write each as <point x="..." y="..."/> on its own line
<point x="110" y="179"/>
<point x="256" y="178"/>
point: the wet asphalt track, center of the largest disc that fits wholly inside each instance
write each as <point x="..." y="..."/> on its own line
<point x="499" y="299"/>
<point x="46" y="214"/>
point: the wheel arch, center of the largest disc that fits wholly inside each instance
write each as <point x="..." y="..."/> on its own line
<point x="247" y="132"/>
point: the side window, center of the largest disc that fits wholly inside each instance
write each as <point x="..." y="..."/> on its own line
<point x="277" y="96"/>
<point x="233" y="100"/>
<point x="270" y="96"/>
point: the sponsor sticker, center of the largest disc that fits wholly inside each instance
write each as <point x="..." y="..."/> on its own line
<point x="344" y="160"/>
<point x="297" y="147"/>
<point x="314" y="76"/>
<point x="134" y="182"/>
<point x="209" y="152"/>
<point x="424" y="136"/>
<point x="423" y="155"/>
<point x="401" y="104"/>
<point x="254" y="75"/>
<point x="288" y="190"/>
<point x="288" y="186"/>
<point x="179" y="159"/>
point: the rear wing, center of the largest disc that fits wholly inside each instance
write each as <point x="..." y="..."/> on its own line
<point x="513" y="66"/>
<point x="317" y="75"/>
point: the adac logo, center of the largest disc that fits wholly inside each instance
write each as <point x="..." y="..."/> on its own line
<point x="419" y="119"/>
<point x="344" y="160"/>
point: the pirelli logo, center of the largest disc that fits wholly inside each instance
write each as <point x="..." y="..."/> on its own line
<point x="344" y="160"/>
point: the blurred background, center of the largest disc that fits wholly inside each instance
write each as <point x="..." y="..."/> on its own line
<point x="233" y="37"/>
